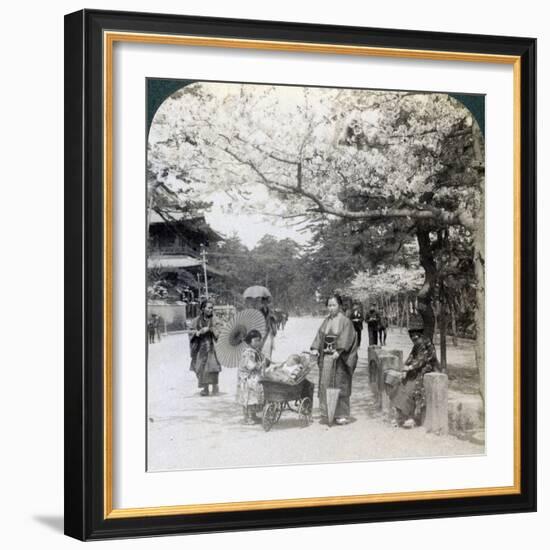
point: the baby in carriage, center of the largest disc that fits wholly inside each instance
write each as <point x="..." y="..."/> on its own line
<point x="254" y="366"/>
<point x="292" y="371"/>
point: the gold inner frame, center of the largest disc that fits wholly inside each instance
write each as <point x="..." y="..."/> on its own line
<point x="109" y="39"/>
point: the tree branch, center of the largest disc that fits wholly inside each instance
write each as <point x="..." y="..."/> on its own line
<point x="269" y="154"/>
<point x="416" y="212"/>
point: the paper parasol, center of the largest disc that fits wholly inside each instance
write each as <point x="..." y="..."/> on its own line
<point x="230" y="343"/>
<point x="256" y="292"/>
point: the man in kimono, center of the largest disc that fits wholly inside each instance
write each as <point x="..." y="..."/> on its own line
<point x="357" y="320"/>
<point x="204" y="362"/>
<point x="373" y="323"/>
<point x="383" y="329"/>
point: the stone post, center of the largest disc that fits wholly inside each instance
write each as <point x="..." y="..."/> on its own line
<point x="437" y="403"/>
<point x="373" y="353"/>
<point x="372" y="361"/>
<point x="399" y="354"/>
<point x="385" y="361"/>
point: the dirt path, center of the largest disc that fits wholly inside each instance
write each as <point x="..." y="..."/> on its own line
<point x="189" y="431"/>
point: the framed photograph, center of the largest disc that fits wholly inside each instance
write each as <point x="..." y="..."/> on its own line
<point x="300" y="274"/>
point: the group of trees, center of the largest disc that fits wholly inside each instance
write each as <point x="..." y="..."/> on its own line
<point x="276" y="264"/>
<point x="394" y="173"/>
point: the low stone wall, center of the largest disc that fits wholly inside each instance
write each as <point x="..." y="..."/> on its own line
<point x="464" y="412"/>
<point x="467" y="416"/>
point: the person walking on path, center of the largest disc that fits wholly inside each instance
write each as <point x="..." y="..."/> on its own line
<point x="151" y="328"/>
<point x="357" y="320"/>
<point x="157" y="320"/>
<point x="271" y="328"/>
<point x="383" y="329"/>
<point x="204" y="362"/>
<point x="336" y="349"/>
<point x="373" y="324"/>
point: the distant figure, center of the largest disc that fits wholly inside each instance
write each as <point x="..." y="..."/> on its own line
<point x="158" y="320"/>
<point x="204" y="362"/>
<point x="278" y="315"/>
<point x="151" y="328"/>
<point x="373" y="323"/>
<point x="357" y="320"/>
<point x="382" y="329"/>
<point x="284" y="320"/>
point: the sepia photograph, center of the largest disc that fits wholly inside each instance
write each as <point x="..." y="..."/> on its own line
<point x="315" y="274"/>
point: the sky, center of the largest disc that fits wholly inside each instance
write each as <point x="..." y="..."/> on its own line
<point x="249" y="227"/>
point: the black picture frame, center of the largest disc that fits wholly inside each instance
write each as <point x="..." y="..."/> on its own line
<point x="85" y="497"/>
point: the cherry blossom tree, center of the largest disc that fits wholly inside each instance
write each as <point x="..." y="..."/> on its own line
<point x="383" y="159"/>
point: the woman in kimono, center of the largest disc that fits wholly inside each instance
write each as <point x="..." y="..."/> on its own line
<point x="336" y="348"/>
<point x="251" y="368"/>
<point x="204" y="361"/>
<point x="408" y="396"/>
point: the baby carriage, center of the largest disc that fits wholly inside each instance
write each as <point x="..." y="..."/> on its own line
<point x="287" y="393"/>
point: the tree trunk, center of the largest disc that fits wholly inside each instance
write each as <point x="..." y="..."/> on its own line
<point x="396" y="311"/>
<point x="479" y="265"/>
<point x="453" y="324"/>
<point x="463" y="301"/>
<point x="443" y="336"/>
<point x="425" y="294"/>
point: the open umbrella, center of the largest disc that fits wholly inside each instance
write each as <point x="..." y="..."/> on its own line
<point x="256" y="291"/>
<point x="230" y="343"/>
